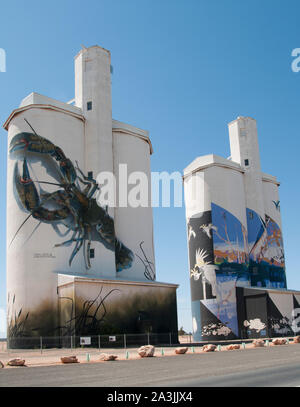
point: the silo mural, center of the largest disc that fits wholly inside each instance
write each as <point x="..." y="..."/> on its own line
<point x="235" y="242"/>
<point x="218" y="264"/>
<point x="266" y="254"/>
<point x="74" y="265"/>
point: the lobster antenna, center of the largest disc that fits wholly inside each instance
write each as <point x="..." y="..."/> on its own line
<point x="19" y="229"/>
<point x="49" y="183"/>
<point x="23" y="223"/>
<point x="30" y="126"/>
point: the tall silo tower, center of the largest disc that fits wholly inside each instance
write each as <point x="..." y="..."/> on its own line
<point x="63" y="247"/>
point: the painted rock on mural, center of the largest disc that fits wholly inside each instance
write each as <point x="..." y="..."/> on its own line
<point x="69" y="359"/>
<point x="209" y="348"/>
<point x="181" y="351"/>
<point x="1" y="365"/>
<point x="297" y="339"/>
<point x="106" y="357"/>
<point x="146" y="351"/>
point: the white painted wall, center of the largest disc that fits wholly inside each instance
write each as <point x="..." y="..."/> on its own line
<point x="244" y="145"/>
<point x="133" y="225"/>
<point x="29" y="277"/>
<point x="270" y="194"/>
<point x="213" y="179"/>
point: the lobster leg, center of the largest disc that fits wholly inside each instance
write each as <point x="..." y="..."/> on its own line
<point x="87" y="181"/>
<point x="76" y="248"/>
<point x="86" y="248"/>
<point x="68" y="242"/>
<point x="124" y="256"/>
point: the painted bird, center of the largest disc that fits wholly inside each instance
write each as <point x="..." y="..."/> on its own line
<point x="207" y="229"/>
<point x="277" y="205"/>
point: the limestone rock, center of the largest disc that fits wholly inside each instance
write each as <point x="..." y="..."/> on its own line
<point x="296" y="339"/>
<point x="69" y="359"/>
<point x="146" y="351"/>
<point x="258" y="343"/>
<point x="209" y="348"/>
<point x="16" y="362"/>
<point x="279" y="341"/>
<point x="181" y="351"/>
<point x="233" y="347"/>
<point x="106" y="357"/>
<point x="1" y="365"/>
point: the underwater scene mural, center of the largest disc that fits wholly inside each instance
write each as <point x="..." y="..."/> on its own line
<point x="215" y="273"/>
<point x="263" y="313"/>
<point x="266" y="253"/>
<point x="230" y="240"/>
<point x="224" y="256"/>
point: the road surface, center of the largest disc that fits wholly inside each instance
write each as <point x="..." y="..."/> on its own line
<point x="274" y="366"/>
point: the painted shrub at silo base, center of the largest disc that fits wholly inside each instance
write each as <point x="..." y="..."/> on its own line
<point x="73" y="205"/>
<point x="223" y="256"/>
<point x="96" y="310"/>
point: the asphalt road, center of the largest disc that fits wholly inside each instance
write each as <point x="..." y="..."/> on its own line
<point x="274" y="366"/>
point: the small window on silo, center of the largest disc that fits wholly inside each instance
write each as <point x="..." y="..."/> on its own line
<point x="246" y="162"/>
<point x="89" y="105"/>
<point x="90" y="174"/>
<point x="92" y="253"/>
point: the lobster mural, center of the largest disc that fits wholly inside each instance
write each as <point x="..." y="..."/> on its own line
<point x="73" y="205"/>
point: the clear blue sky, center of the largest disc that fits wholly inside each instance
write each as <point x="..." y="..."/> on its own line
<point x="182" y="70"/>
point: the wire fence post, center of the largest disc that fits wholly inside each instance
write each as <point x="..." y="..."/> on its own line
<point x="170" y="338"/>
<point x="99" y="342"/>
<point x="41" y="344"/>
<point x="124" y="341"/>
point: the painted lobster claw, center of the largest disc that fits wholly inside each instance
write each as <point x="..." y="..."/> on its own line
<point x="30" y="200"/>
<point x="31" y="142"/>
<point x="25" y="187"/>
<point x="37" y="144"/>
<point x="68" y="171"/>
<point x="85" y="216"/>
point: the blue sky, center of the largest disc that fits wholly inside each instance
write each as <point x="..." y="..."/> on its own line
<point x="183" y="69"/>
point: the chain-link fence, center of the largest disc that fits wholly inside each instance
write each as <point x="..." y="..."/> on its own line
<point x="96" y="341"/>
